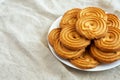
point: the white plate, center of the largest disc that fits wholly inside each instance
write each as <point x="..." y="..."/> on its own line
<point x="98" y="68"/>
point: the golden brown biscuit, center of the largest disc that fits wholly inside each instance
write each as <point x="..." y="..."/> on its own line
<point x="53" y="35"/>
<point x="93" y="11"/>
<point x="66" y="53"/>
<point x="111" y="41"/>
<point x="69" y="18"/>
<point x="72" y="40"/>
<point x="113" y="21"/>
<point x="104" y="57"/>
<point x="91" y="27"/>
<point x="85" y="61"/>
<point x="73" y="11"/>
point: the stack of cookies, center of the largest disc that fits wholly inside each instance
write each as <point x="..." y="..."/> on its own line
<point x="87" y="37"/>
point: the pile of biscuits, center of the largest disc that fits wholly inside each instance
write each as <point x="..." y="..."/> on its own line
<point x="87" y="37"/>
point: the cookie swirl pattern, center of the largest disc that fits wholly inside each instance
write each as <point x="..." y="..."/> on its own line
<point x="66" y="53"/>
<point x="111" y="41"/>
<point x="69" y="18"/>
<point x="93" y="11"/>
<point x="91" y="27"/>
<point x="85" y="61"/>
<point x="54" y="35"/>
<point x="113" y="21"/>
<point x="104" y="57"/>
<point x="72" y="40"/>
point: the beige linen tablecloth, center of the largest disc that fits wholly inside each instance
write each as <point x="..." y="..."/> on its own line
<point x="24" y="53"/>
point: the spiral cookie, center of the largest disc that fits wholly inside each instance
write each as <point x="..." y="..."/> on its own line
<point x="104" y="57"/>
<point x="72" y="40"/>
<point x="73" y="11"/>
<point x="65" y="52"/>
<point x="113" y="21"/>
<point x="53" y="35"/>
<point x="93" y="11"/>
<point x="111" y="41"/>
<point x="85" y="61"/>
<point x="91" y="27"/>
<point x="69" y="18"/>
